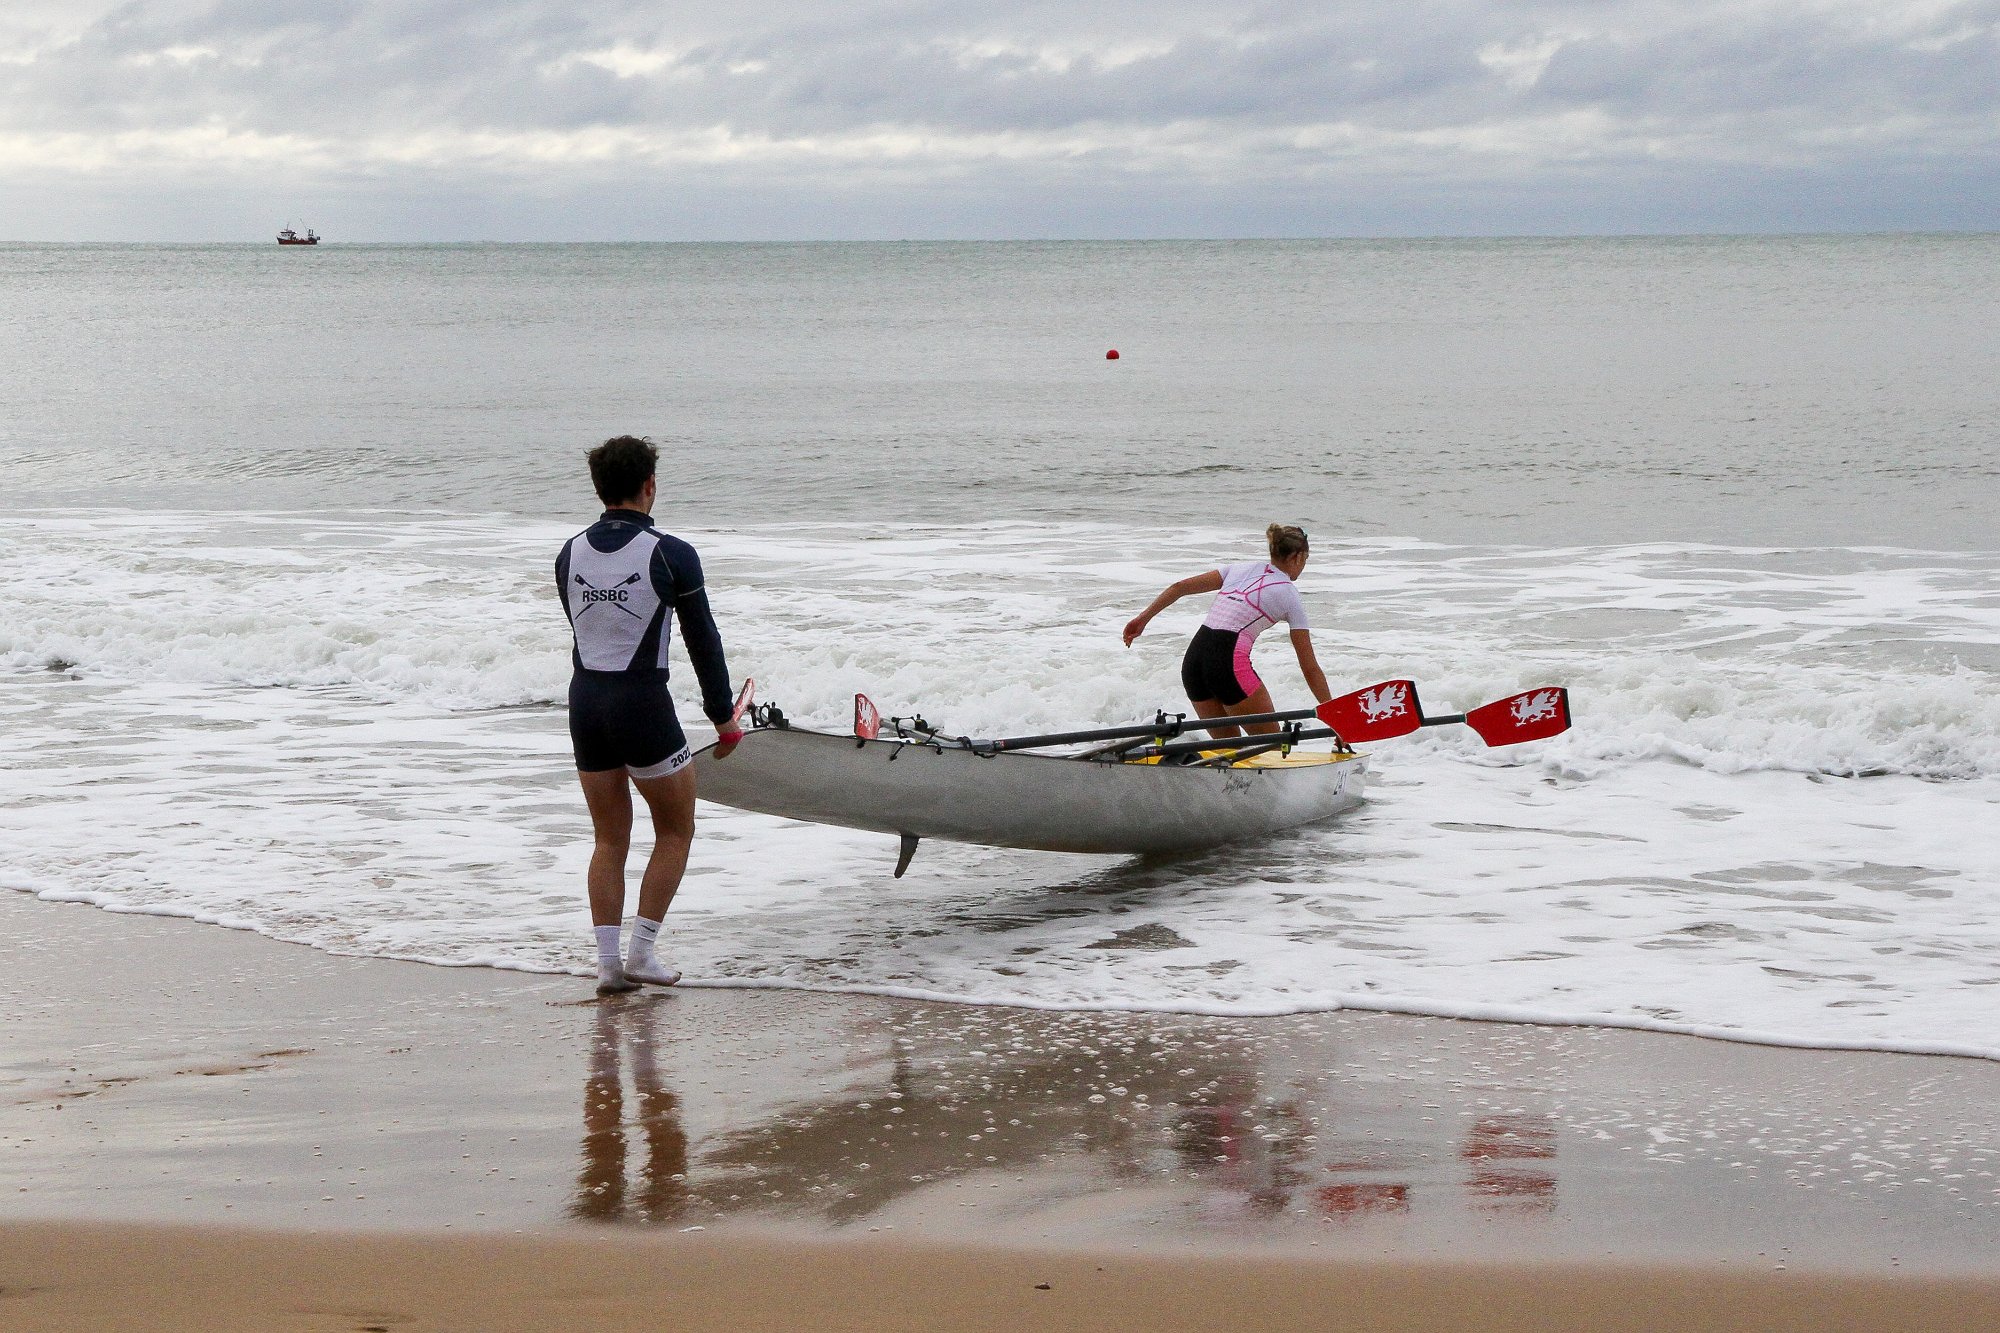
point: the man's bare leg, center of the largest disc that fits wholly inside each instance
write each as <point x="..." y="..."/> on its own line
<point x="610" y="801"/>
<point x="670" y="800"/>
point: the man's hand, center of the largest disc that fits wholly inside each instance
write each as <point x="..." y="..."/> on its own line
<point x="729" y="733"/>
<point x="1134" y="628"/>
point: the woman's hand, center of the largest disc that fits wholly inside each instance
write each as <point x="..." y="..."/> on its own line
<point x="728" y="735"/>
<point x="1134" y="628"/>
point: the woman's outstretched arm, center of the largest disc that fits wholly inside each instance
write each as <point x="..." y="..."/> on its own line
<point x="1209" y="582"/>
<point x="1302" y="644"/>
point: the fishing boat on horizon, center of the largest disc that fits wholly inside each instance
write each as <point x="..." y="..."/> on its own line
<point x="290" y="237"/>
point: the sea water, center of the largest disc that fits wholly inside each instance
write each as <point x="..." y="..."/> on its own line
<point x="280" y="646"/>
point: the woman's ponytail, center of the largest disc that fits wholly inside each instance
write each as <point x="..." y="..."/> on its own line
<point x="1286" y="541"/>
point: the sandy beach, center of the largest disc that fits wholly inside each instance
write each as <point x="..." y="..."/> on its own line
<point x="205" y="1128"/>
<point x="176" y="1278"/>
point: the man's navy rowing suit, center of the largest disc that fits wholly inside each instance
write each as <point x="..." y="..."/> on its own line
<point x="619" y="577"/>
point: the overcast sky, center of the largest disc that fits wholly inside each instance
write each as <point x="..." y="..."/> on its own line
<point x="602" y="119"/>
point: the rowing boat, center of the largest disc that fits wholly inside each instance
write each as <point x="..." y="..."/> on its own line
<point x="1138" y="789"/>
<point x="921" y="787"/>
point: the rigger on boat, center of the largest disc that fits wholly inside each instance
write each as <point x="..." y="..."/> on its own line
<point x="1134" y="789"/>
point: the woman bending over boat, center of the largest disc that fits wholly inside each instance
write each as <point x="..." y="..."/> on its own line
<point x="1252" y="597"/>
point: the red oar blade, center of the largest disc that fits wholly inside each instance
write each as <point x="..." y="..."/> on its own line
<point x="1531" y="715"/>
<point x="867" y="718"/>
<point x="1374" y="714"/>
<point x="746" y="699"/>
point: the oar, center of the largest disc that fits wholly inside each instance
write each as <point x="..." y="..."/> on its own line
<point x="1374" y="714"/>
<point x="1531" y="715"/>
<point x="1263" y="741"/>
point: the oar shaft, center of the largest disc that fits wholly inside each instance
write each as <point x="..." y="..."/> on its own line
<point x="1171" y="727"/>
<point x="1265" y="740"/>
<point x="1175" y="727"/>
<point x="1261" y="740"/>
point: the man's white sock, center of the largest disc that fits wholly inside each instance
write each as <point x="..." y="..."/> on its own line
<point x="641" y="963"/>
<point x="611" y="978"/>
<point x="645" y="935"/>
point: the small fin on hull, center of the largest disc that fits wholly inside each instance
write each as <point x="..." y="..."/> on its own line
<point x="904" y="853"/>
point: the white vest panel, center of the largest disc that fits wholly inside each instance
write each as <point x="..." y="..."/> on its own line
<point x="611" y="601"/>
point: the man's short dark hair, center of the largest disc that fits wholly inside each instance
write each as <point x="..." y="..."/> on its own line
<point x="619" y="468"/>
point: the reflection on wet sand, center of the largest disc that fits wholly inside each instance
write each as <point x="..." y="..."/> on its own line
<point x="1510" y="1163"/>
<point x="1253" y="1148"/>
<point x="1046" y="1107"/>
<point x="605" y="1190"/>
<point x="1361" y="1198"/>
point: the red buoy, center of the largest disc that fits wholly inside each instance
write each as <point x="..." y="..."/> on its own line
<point x="1111" y="355"/>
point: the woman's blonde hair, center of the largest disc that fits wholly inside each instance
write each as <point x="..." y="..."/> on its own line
<point x="1286" y="541"/>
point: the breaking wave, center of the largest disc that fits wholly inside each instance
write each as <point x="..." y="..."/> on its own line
<point x="1836" y="662"/>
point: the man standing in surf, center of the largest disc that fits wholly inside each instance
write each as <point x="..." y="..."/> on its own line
<point x="618" y="579"/>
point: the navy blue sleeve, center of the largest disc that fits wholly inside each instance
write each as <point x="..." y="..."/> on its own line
<point x="678" y="578"/>
<point x="562" y="577"/>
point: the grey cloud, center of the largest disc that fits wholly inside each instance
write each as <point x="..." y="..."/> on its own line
<point x="386" y="66"/>
<point x="1777" y="64"/>
<point x="1414" y="102"/>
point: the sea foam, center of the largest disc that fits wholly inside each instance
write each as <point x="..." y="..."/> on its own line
<point x="1836" y="662"/>
<point x="336" y="729"/>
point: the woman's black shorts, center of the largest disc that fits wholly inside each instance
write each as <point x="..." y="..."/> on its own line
<point x="1217" y="666"/>
<point x="620" y="720"/>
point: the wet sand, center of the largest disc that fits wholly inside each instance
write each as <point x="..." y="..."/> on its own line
<point x="253" y="1134"/>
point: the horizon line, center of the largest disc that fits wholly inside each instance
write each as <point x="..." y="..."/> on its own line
<point x="1735" y="234"/>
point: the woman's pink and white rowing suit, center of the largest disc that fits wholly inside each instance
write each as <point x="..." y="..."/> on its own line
<point x="1255" y="595"/>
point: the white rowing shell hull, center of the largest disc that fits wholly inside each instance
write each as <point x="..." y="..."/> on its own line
<point x="1043" y="802"/>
